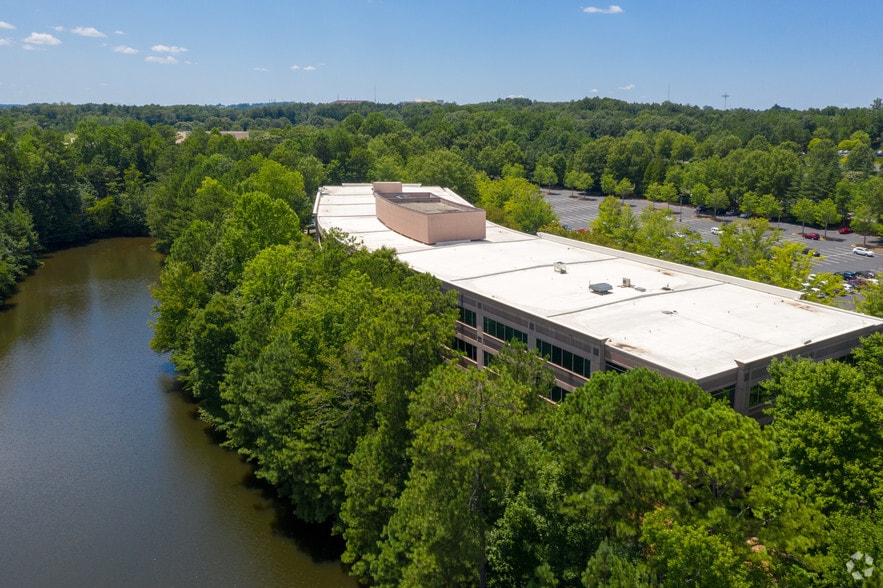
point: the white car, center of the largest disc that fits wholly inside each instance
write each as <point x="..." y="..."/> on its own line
<point x="716" y="230"/>
<point x="863" y="251"/>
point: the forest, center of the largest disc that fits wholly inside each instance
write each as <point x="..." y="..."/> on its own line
<point x="330" y="368"/>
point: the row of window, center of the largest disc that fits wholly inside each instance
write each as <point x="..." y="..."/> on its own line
<point x="503" y="331"/>
<point x="727" y="393"/>
<point x="469" y="349"/>
<point x="467" y="317"/>
<point x="759" y="395"/>
<point x="566" y="359"/>
<point x="563" y="358"/>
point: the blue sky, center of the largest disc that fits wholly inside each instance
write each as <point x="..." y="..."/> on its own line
<point x="798" y="54"/>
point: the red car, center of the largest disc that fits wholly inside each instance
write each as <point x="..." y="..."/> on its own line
<point x="813" y="236"/>
<point x="844" y="230"/>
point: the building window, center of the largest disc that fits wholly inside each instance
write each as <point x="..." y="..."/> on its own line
<point x="609" y="366"/>
<point x="503" y="332"/>
<point x="563" y="358"/>
<point x="467" y="348"/>
<point x="727" y="393"/>
<point x="759" y="395"/>
<point x="558" y="394"/>
<point x="488" y="357"/>
<point x="467" y="317"/>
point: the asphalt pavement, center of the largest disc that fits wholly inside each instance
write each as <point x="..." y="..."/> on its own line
<point x="577" y="210"/>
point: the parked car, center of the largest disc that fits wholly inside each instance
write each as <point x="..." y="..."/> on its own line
<point x="863" y="251"/>
<point x="811" y="251"/>
<point x="813" y="236"/>
<point x="844" y="230"/>
<point x="866" y="274"/>
<point x="716" y="230"/>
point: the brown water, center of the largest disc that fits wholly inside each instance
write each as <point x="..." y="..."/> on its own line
<point x="106" y="477"/>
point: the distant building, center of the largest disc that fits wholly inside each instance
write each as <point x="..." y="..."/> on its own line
<point x="181" y="135"/>
<point x="422" y="101"/>
<point x="589" y="308"/>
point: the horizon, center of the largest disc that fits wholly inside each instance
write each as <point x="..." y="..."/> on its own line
<point x="243" y="105"/>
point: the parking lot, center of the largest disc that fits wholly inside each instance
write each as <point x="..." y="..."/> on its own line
<point x="577" y="211"/>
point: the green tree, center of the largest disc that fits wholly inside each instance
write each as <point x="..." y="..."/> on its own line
<point x="827" y="430"/>
<point x="48" y="187"/>
<point x="601" y="433"/>
<point x="577" y="180"/>
<point x="255" y="222"/>
<point x="467" y="426"/>
<point x="625" y="187"/>
<point x="629" y="157"/>
<point x="277" y="181"/>
<point x="870" y="300"/>
<point x="529" y="212"/>
<point x="769" y="207"/>
<point x="447" y="169"/>
<point x="608" y="184"/>
<point x="544" y="175"/>
<point x="804" y="210"/>
<point x="699" y="194"/>
<point x="662" y="193"/>
<point x="743" y="246"/>
<point x="689" y="554"/>
<point x="787" y="266"/>
<point x="718" y="200"/>
<point x="655" y="235"/>
<point x="827" y="213"/>
<point x="615" y="223"/>
<point x="609" y="569"/>
<point x="19" y="245"/>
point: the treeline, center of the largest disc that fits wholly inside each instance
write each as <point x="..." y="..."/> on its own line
<point x="57" y="189"/>
<point x="330" y="369"/>
<point x="90" y="170"/>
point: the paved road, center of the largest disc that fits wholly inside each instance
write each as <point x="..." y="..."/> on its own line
<point x="578" y="211"/>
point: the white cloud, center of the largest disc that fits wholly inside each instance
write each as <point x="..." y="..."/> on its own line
<point x="124" y="49"/>
<point x="309" y="68"/>
<point x="119" y="33"/>
<point x="612" y="9"/>
<point x="6" y="25"/>
<point x="42" y="39"/>
<point x="58" y="29"/>
<point x="304" y="68"/>
<point x="593" y="91"/>
<point x="627" y="87"/>
<point x="261" y="69"/>
<point x="87" y="32"/>
<point x="168" y="49"/>
<point x="5" y="42"/>
<point x="167" y="60"/>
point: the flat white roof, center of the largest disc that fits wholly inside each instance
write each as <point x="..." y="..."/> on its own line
<point x="689" y="321"/>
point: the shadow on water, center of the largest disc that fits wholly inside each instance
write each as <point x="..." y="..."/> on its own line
<point x="315" y="540"/>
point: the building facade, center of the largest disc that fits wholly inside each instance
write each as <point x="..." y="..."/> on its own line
<point x="588" y="308"/>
